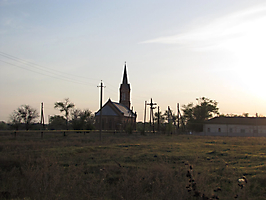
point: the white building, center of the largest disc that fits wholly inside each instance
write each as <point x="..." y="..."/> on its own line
<point x="236" y="126"/>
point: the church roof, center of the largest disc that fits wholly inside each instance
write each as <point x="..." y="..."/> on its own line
<point x="123" y="109"/>
<point x="107" y="110"/>
<point x="113" y="108"/>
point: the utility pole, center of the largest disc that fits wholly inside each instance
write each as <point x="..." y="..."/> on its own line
<point x="101" y="106"/>
<point x="180" y="118"/>
<point x="178" y="113"/>
<point x="158" y="118"/>
<point x="151" y="113"/>
<point x="145" y="115"/>
<point x="168" y="114"/>
<point x="170" y="119"/>
<point x="150" y="118"/>
<point x="42" y="119"/>
<point x="42" y="115"/>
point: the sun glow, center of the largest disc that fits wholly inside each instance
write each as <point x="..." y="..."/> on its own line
<point x="249" y="51"/>
<point x="242" y="35"/>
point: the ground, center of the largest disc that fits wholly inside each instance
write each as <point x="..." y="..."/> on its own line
<point x="122" y="166"/>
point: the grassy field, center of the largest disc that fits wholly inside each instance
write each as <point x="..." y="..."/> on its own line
<point x="122" y="166"/>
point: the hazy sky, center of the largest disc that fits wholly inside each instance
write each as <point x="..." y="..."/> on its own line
<point x="175" y="51"/>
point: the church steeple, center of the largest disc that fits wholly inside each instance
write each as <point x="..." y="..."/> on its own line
<point x="125" y="75"/>
<point x="125" y="90"/>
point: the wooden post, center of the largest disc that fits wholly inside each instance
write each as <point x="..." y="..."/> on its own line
<point x="145" y="115"/>
<point x="158" y="118"/>
<point x="151" y="113"/>
<point x="178" y="113"/>
<point x="42" y="119"/>
<point x="42" y="115"/>
<point x="152" y="116"/>
<point x="153" y="122"/>
<point x="101" y="106"/>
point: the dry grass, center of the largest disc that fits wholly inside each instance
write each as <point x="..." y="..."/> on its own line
<point x="122" y="166"/>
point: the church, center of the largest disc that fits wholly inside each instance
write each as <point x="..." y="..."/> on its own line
<point x="118" y="116"/>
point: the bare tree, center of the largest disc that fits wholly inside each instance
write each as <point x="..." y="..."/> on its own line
<point x="65" y="107"/>
<point x="24" y="114"/>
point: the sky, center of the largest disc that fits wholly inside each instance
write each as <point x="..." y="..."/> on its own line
<point x="175" y="50"/>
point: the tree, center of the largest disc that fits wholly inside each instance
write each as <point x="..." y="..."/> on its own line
<point x="3" y="125"/>
<point x="195" y="115"/>
<point x="234" y="115"/>
<point x="65" y="106"/>
<point x="166" y="120"/>
<point x="15" y="120"/>
<point x="57" y="122"/>
<point x="24" y="114"/>
<point x="171" y="119"/>
<point x="170" y="116"/>
<point x="159" y="116"/>
<point x="159" y="120"/>
<point x="82" y="119"/>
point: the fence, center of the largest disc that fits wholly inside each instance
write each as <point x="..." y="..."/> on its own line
<point x="60" y="133"/>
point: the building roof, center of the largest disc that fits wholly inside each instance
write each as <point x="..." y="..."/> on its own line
<point x="107" y="110"/>
<point x="123" y="109"/>
<point x="110" y="110"/>
<point x="255" y="121"/>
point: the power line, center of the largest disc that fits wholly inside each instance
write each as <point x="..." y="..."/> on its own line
<point x="36" y="68"/>
<point x="28" y="64"/>
<point x="69" y="80"/>
<point x="25" y="62"/>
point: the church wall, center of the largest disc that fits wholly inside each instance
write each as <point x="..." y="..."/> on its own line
<point x="115" y="123"/>
<point x="109" y="123"/>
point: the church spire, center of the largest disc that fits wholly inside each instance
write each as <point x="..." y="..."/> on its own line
<point x="125" y="75"/>
<point x="125" y="90"/>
